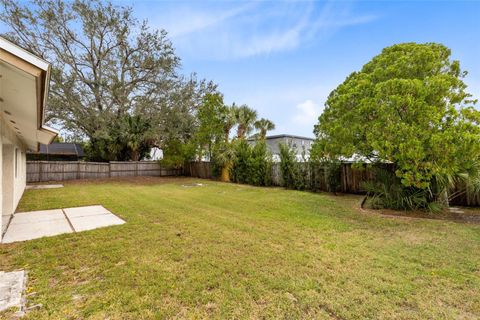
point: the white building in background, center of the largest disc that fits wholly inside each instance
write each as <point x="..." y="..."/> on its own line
<point x="156" y="154"/>
<point x="300" y="144"/>
<point x="24" y="80"/>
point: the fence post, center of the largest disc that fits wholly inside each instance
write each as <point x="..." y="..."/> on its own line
<point x="40" y="171"/>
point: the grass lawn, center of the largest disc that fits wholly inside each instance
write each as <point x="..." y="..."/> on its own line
<point x="235" y="251"/>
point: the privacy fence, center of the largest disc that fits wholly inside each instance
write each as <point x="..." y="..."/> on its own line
<point x="38" y="171"/>
<point x="351" y="178"/>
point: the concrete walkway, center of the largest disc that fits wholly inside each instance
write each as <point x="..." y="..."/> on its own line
<point x="12" y="289"/>
<point x="37" y="224"/>
<point x="43" y="186"/>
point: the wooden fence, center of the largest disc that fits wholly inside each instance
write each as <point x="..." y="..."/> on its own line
<point x="38" y="171"/>
<point x="351" y="178"/>
<point x="202" y="170"/>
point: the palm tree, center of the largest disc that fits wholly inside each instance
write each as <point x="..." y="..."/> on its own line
<point x="264" y="125"/>
<point x="137" y="132"/>
<point x="225" y="154"/>
<point x="230" y="120"/>
<point x="245" y="117"/>
<point x="465" y="182"/>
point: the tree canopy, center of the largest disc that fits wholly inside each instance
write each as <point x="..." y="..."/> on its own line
<point x="408" y="106"/>
<point x="245" y="117"/>
<point x="106" y="66"/>
<point x="264" y="125"/>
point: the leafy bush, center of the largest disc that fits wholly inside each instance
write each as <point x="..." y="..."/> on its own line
<point x="251" y="164"/>
<point x="239" y="172"/>
<point x="288" y="166"/>
<point x="333" y="175"/>
<point x="260" y="165"/>
<point x="387" y="191"/>
<point x="176" y="153"/>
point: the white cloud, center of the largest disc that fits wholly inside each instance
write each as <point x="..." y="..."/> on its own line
<point x="307" y="113"/>
<point x="184" y="22"/>
<point x="226" y="31"/>
<point x="283" y="104"/>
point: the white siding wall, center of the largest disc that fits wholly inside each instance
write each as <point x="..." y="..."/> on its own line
<point x="12" y="173"/>
<point x="21" y="177"/>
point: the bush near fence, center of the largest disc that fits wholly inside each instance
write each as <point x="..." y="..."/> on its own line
<point x="351" y="177"/>
<point x="41" y="171"/>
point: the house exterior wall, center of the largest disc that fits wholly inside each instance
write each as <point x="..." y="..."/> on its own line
<point x="297" y="143"/>
<point x="12" y="172"/>
<point x="24" y="84"/>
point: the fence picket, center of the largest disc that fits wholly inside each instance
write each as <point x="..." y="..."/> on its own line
<point x="41" y="171"/>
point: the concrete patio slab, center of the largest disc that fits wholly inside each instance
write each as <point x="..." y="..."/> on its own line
<point x="37" y="216"/>
<point x="95" y="221"/>
<point x="44" y="223"/>
<point x="85" y="211"/>
<point x="12" y="289"/>
<point x="29" y="231"/>
<point x="43" y="186"/>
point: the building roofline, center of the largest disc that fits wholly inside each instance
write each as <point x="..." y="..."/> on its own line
<point x="24" y="54"/>
<point x="44" y="77"/>
<point x="288" y="136"/>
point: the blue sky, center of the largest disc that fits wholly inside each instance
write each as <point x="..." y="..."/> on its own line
<point x="283" y="58"/>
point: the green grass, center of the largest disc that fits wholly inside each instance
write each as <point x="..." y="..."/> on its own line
<point x="235" y="251"/>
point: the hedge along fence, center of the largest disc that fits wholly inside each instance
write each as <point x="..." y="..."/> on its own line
<point x="40" y="171"/>
<point x="351" y="178"/>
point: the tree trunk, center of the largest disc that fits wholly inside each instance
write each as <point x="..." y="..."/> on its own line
<point x="225" y="175"/>
<point x="443" y="199"/>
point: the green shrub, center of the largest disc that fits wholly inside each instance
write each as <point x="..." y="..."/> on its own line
<point x="333" y="175"/>
<point x="252" y="164"/>
<point x="240" y="172"/>
<point x="387" y="191"/>
<point x="176" y="154"/>
<point x="259" y="165"/>
<point x="288" y="166"/>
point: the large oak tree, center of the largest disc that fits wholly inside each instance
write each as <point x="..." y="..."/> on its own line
<point x="107" y="66"/>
